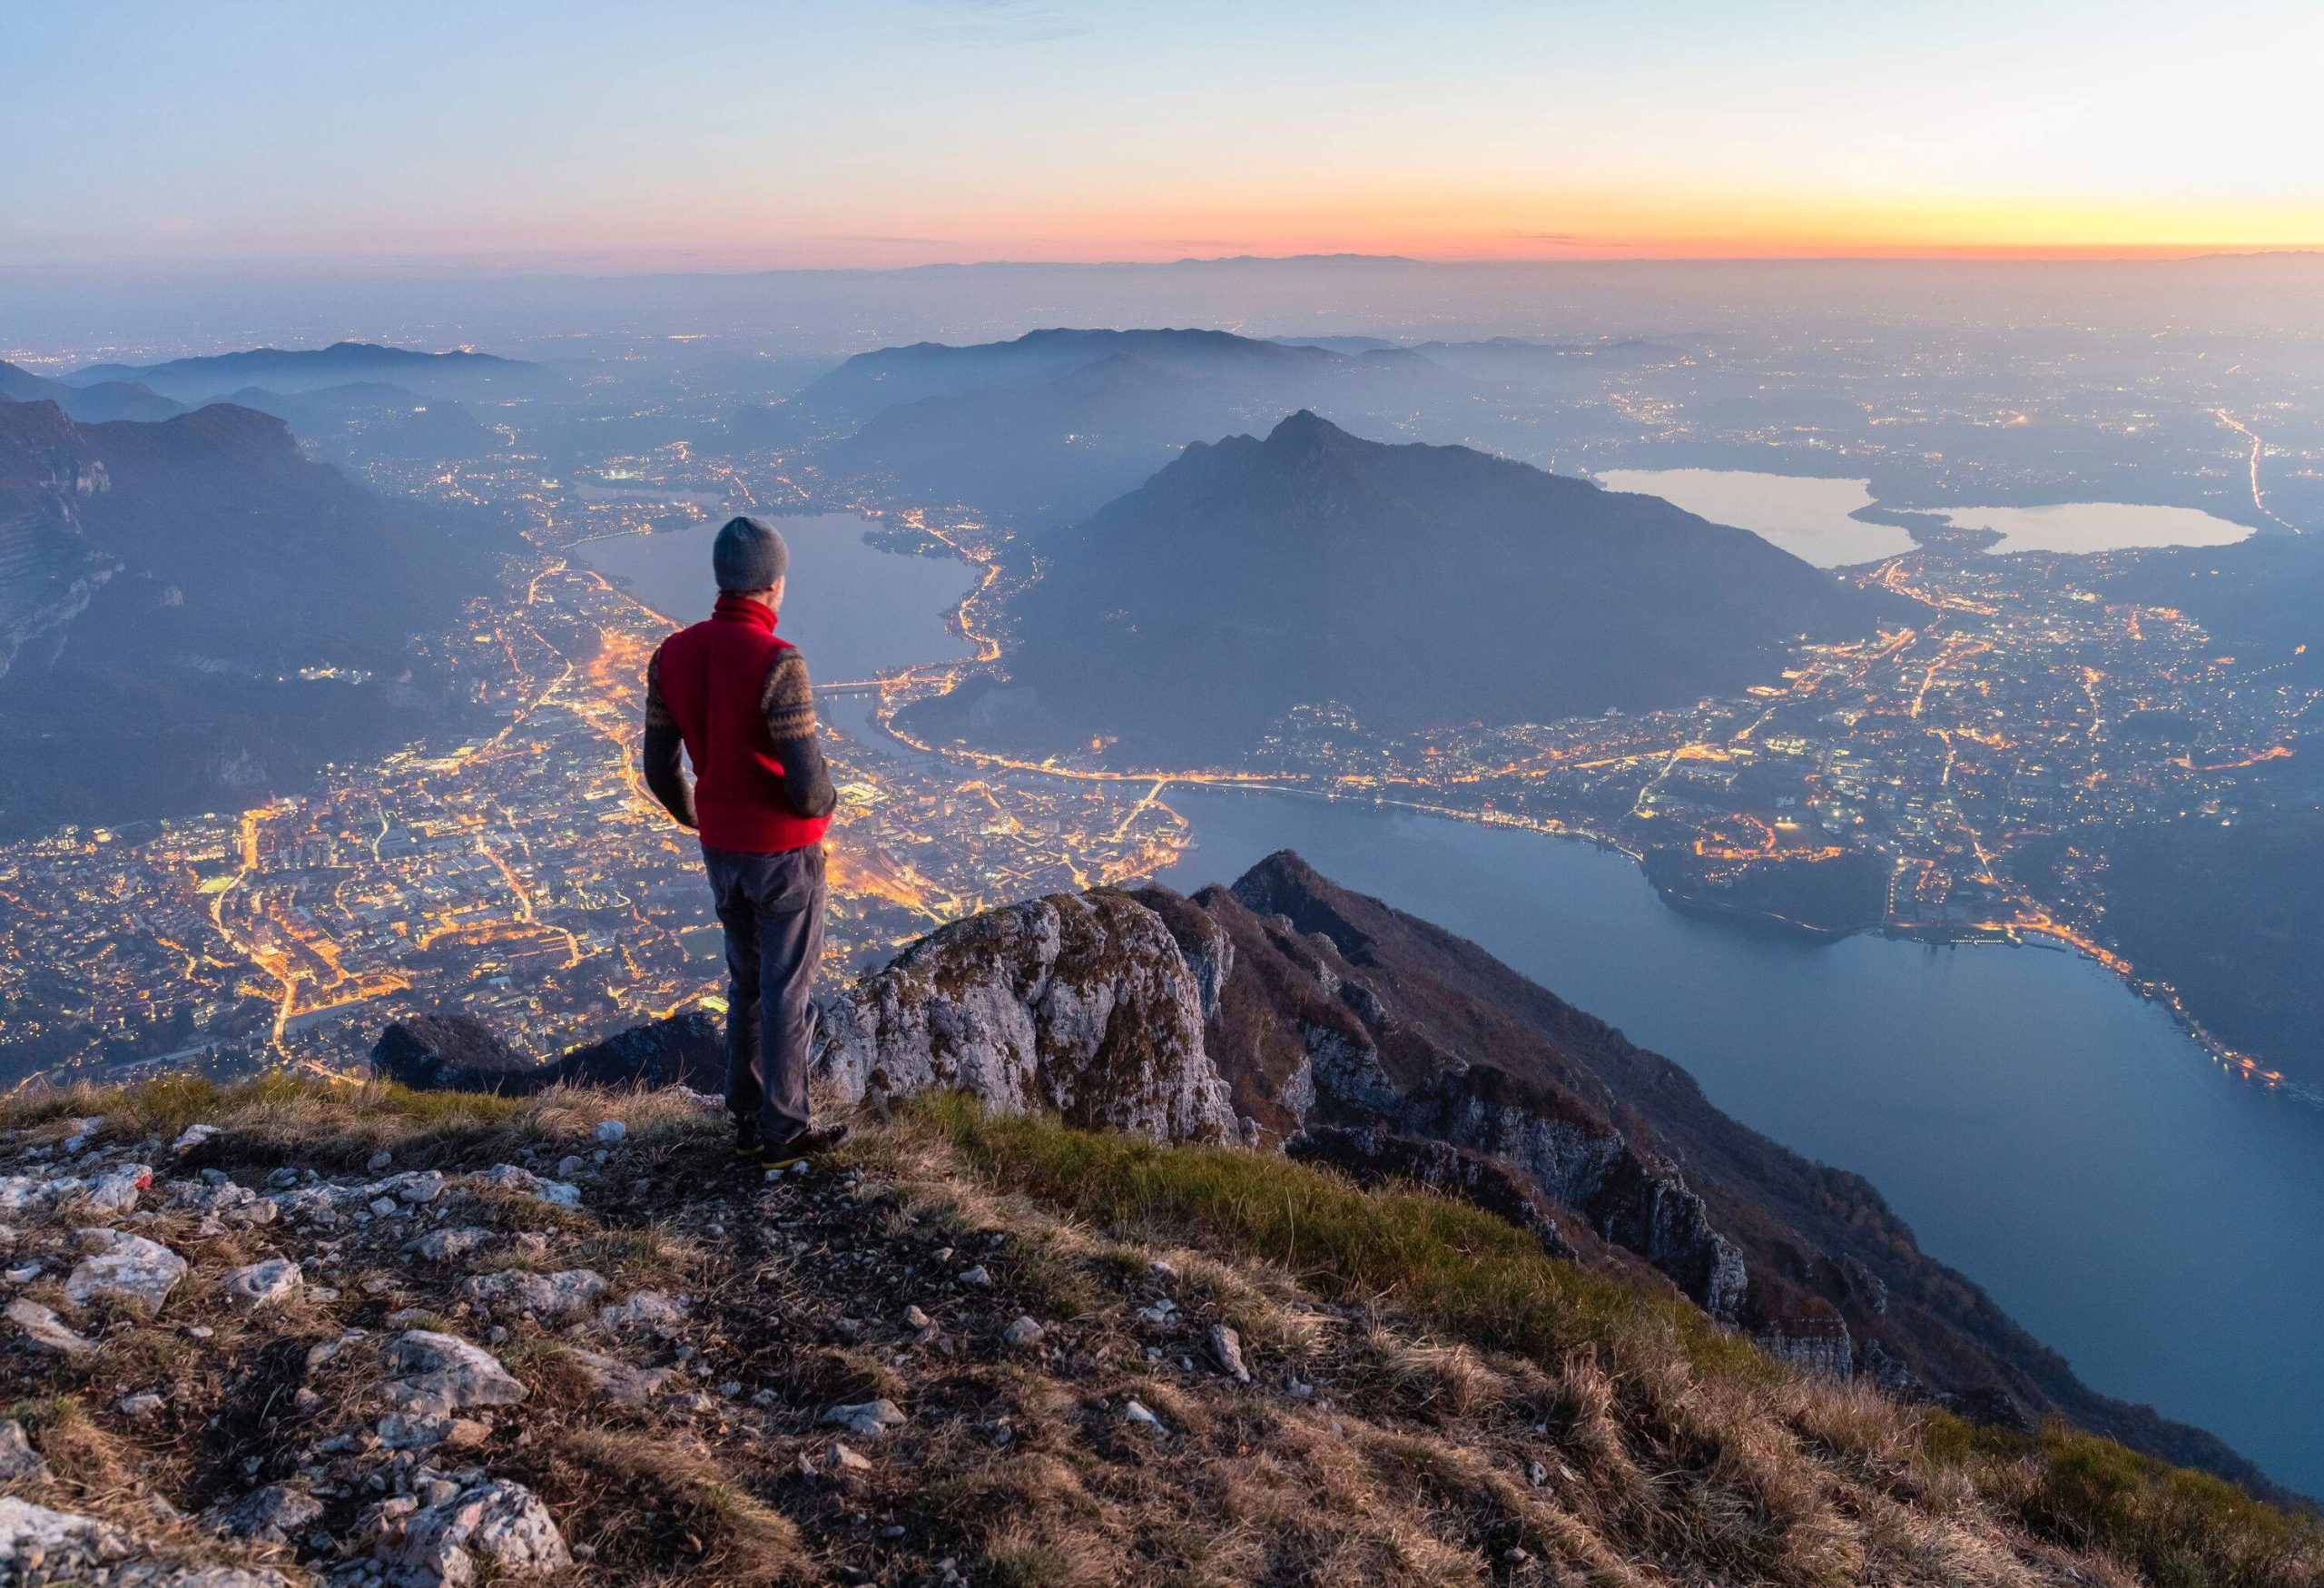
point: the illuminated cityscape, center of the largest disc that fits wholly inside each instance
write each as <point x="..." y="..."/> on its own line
<point x="519" y="871"/>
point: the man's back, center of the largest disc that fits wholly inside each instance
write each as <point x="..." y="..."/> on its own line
<point x="739" y="698"/>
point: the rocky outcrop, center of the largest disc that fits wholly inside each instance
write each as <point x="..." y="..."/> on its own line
<point x="682" y="1049"/>
<point x="452" y="1052"/>
<point x="1374" y="1155"/>
<point x="1077" y="1003"/>
<point x="1632" y="1201"/>
<point x="446" y="1052"/>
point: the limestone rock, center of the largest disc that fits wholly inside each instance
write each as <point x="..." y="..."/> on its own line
<point x="41" y="1327"/>
<point x="1227" y="1350"/>
<point x="867" y="1420"/>
<point x="114" y="1192"/>
<point x="434" y="1375"/>
<point x="261" y="1284"/>
<point x="618" y="1381"/>
<point x="551" y="1297"/>
<point x="444" y="1246"/>
<point x="684" y="1049"/>
<point x="273" y="1514"/>
<point x="496" y="1529"/>
<point x="19" y="1461"/>
<point x="1079" y="1003"/>
<point x="508" y="1177"/>
<point x="191" y="1137"/>
<point x="646" y="1312"/>
<point x="33" y="1537"/>
<point x="125" y="1267"/>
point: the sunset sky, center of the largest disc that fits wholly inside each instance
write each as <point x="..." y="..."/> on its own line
<point x="614" y="138"/>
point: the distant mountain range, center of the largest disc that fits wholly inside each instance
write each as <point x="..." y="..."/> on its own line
<point x="163" y="585"/>
<point x="369" y="418"/>
<point x="1513" y="360"/>
<point x="1053" y="425"/>
<point x="457" y="373"/>
<point x="1414" y="585"/>
<point x="91" y="404"/>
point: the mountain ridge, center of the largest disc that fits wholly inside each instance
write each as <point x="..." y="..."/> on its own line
<point x="1415" y="585"/>
<point x="170" y="581"/>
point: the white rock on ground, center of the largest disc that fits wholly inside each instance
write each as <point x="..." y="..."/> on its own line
<point x="273" y="1514"/>
<point x="508" y="1177"/>
<point x="23" y="1193"/>
<point x="645" y="1312"/>
<point x="41" y="1327"/>
<point x="618" y="1381"/>
<point x="548" y="1296"/>
<point x="125" y="1267"/>
<point x="867" y="1419"/>
<point x="1024" y="1331"/>
<point x="1227" y="1350"/>
<point x="608" y="1132"/>
<point x="58" y="1541"/>
<point x="497" y="1528"/>
<point x="114" y="1192"/>
<point x="260" y="1284"/>
<point x="191" y="1137"/>
<point x="444" y="1246"/>
<point x="19" y="1461"/>
<point x="435" y="1374"/>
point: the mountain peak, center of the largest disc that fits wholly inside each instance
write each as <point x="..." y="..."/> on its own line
<point x="1307" y="424"/>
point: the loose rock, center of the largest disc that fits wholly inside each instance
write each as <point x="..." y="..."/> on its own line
<point x="548" y="1296"/>
<point x="1227" y="1350"/>
<point x="261" y="1284"/>
<point x="497" y="1527"/>
<point x="127" y="1268"/>
<point x="19" y="1461"/>
<point x="868" y="1419"/>
<point x="43" y="1327"/>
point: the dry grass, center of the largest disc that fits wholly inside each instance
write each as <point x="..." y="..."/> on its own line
<point x="1675" y="1443"/>
<point x="1435" y="1400"/>
<point x="640" y="1501"/>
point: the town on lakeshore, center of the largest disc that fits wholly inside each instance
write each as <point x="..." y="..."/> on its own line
<point x="1888" y="784"/>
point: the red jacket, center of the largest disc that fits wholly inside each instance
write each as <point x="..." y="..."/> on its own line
<point x="712" y="678"/>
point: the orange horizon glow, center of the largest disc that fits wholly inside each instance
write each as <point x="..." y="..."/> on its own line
<point x="734" y="137"/>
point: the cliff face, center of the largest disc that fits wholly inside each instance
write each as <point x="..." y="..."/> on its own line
<point x="1293" y="1015"/>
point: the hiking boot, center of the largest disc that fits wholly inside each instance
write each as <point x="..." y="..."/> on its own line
<point x="801" y="1149"/>
<point x="747" y="1145"/>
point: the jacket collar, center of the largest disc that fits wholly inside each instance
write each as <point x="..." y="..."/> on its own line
<point x="734" y="608"/>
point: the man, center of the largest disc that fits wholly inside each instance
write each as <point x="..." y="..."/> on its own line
<point x="736" y="697"/>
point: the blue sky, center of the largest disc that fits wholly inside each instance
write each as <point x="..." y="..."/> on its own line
<point x="900" y="131"/>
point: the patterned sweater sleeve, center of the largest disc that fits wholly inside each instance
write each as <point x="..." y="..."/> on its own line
<point x="788" y="701"/>
<point x="665" y="773"/>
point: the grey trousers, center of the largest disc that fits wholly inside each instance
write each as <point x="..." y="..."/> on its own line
<point x="772" y="906"/>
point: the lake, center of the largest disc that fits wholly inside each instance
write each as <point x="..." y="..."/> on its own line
<point x="2044" y="1129"/>
<point x="1807" y="517"/>
<point x="2080" y="527"/>
<point x="854" y="610"/>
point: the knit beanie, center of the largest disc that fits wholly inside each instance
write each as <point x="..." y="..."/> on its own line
<point x="749" y="555"/>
